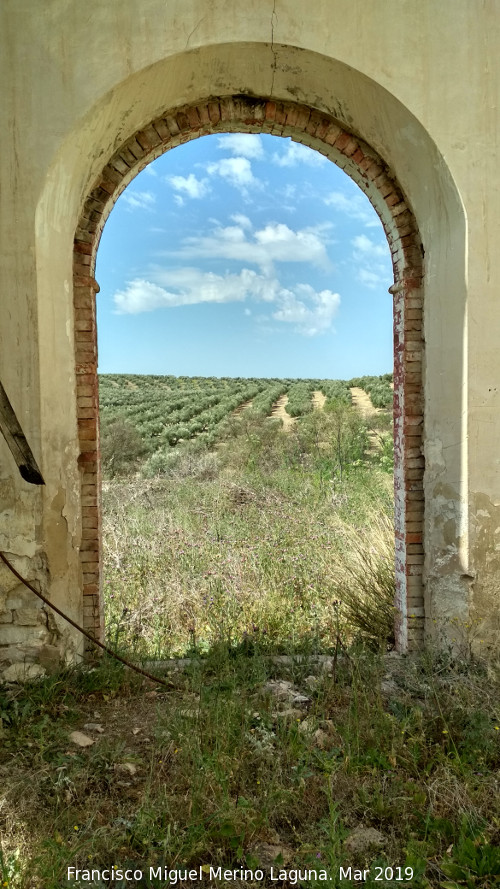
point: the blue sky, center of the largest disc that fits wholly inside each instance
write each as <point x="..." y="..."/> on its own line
<point x="244" y="255"/>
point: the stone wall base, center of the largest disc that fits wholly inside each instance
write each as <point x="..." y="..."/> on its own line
<point x="31" y="644"/>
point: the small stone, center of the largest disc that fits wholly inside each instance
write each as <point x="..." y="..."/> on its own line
<point x="286" y="692"/>
<point x="321" y="739"/>
<point x="127" y="767"/>
<point x="362" y="839"/>
<point x="93" y="727"/>
<point x="6" y="617"/>
<point x="280" y="689"/>
<point x="267" y="853"/>
<point x="81" y="740"/>
<point x="388" y="687"/>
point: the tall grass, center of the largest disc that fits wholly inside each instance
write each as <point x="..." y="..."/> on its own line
<point x="248" y="542"/>
<point x="362" y="572"/>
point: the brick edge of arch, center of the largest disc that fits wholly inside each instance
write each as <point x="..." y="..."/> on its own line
<point x="364" y="165"/>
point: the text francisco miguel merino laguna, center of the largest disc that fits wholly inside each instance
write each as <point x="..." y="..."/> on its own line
<point x="208" y="873"/>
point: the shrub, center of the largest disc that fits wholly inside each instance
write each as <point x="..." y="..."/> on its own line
<point x="182" y="463"/>
<point x="121" y="446"/>
<point x="336" y="390"/>
<point x="347" y="432"/>
<point x="299" y="399"/>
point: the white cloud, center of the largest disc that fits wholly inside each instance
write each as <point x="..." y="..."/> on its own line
<point x="365" y="247"/>
<point x="189" y="286"/>
<point x="275" y="242"/>
<point x="139" y="200"/>
<point x="242" y="144"/>
<point x="190" y="186"/>
<point x="235" y="170"/>
<point x="373" y="261"/>
<point x="356" y="206"/>
<point x="139" y="296"/>
<point x="241" y="220"/>
<point x="285" y="245"/>
<point x="296" y="153"/>
<point x="310" y="312"/>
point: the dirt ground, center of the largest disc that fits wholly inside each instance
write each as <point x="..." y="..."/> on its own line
<point x="362" y="401"/>
<point x="279" y="411"/>
<point x="318" y="399"/>
<point x="242" y="407"/>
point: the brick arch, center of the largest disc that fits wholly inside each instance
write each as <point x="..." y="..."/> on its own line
<point x="368" y="170"/>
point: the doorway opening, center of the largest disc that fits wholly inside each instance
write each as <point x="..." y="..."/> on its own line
<point x="235" y="115"/>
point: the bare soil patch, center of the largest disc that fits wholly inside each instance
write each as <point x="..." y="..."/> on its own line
<point x="242" y="407"/>
<point x="363" y="403"/>
<point x="318" y="400"/>
<point x="279" y="411"/>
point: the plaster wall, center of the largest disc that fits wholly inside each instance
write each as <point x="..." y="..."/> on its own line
<point x="419" y="82"/>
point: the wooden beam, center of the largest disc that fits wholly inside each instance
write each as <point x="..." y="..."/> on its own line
<point x="16" y="440"/>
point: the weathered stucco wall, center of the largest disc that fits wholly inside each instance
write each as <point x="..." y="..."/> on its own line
<point x="419" y="82"/>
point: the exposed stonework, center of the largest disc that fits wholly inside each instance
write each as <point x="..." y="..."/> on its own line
<point x="362" y="163"/>
<point x="28" y="633"/>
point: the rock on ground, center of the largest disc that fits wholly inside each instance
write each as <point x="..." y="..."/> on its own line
<point x="362" y="839"/>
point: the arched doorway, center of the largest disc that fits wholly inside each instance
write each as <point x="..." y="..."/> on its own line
<point x="371" y="173"/>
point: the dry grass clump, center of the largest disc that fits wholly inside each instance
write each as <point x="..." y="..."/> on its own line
<point x="182" y="463"/>
<point x="361" y="568"/>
